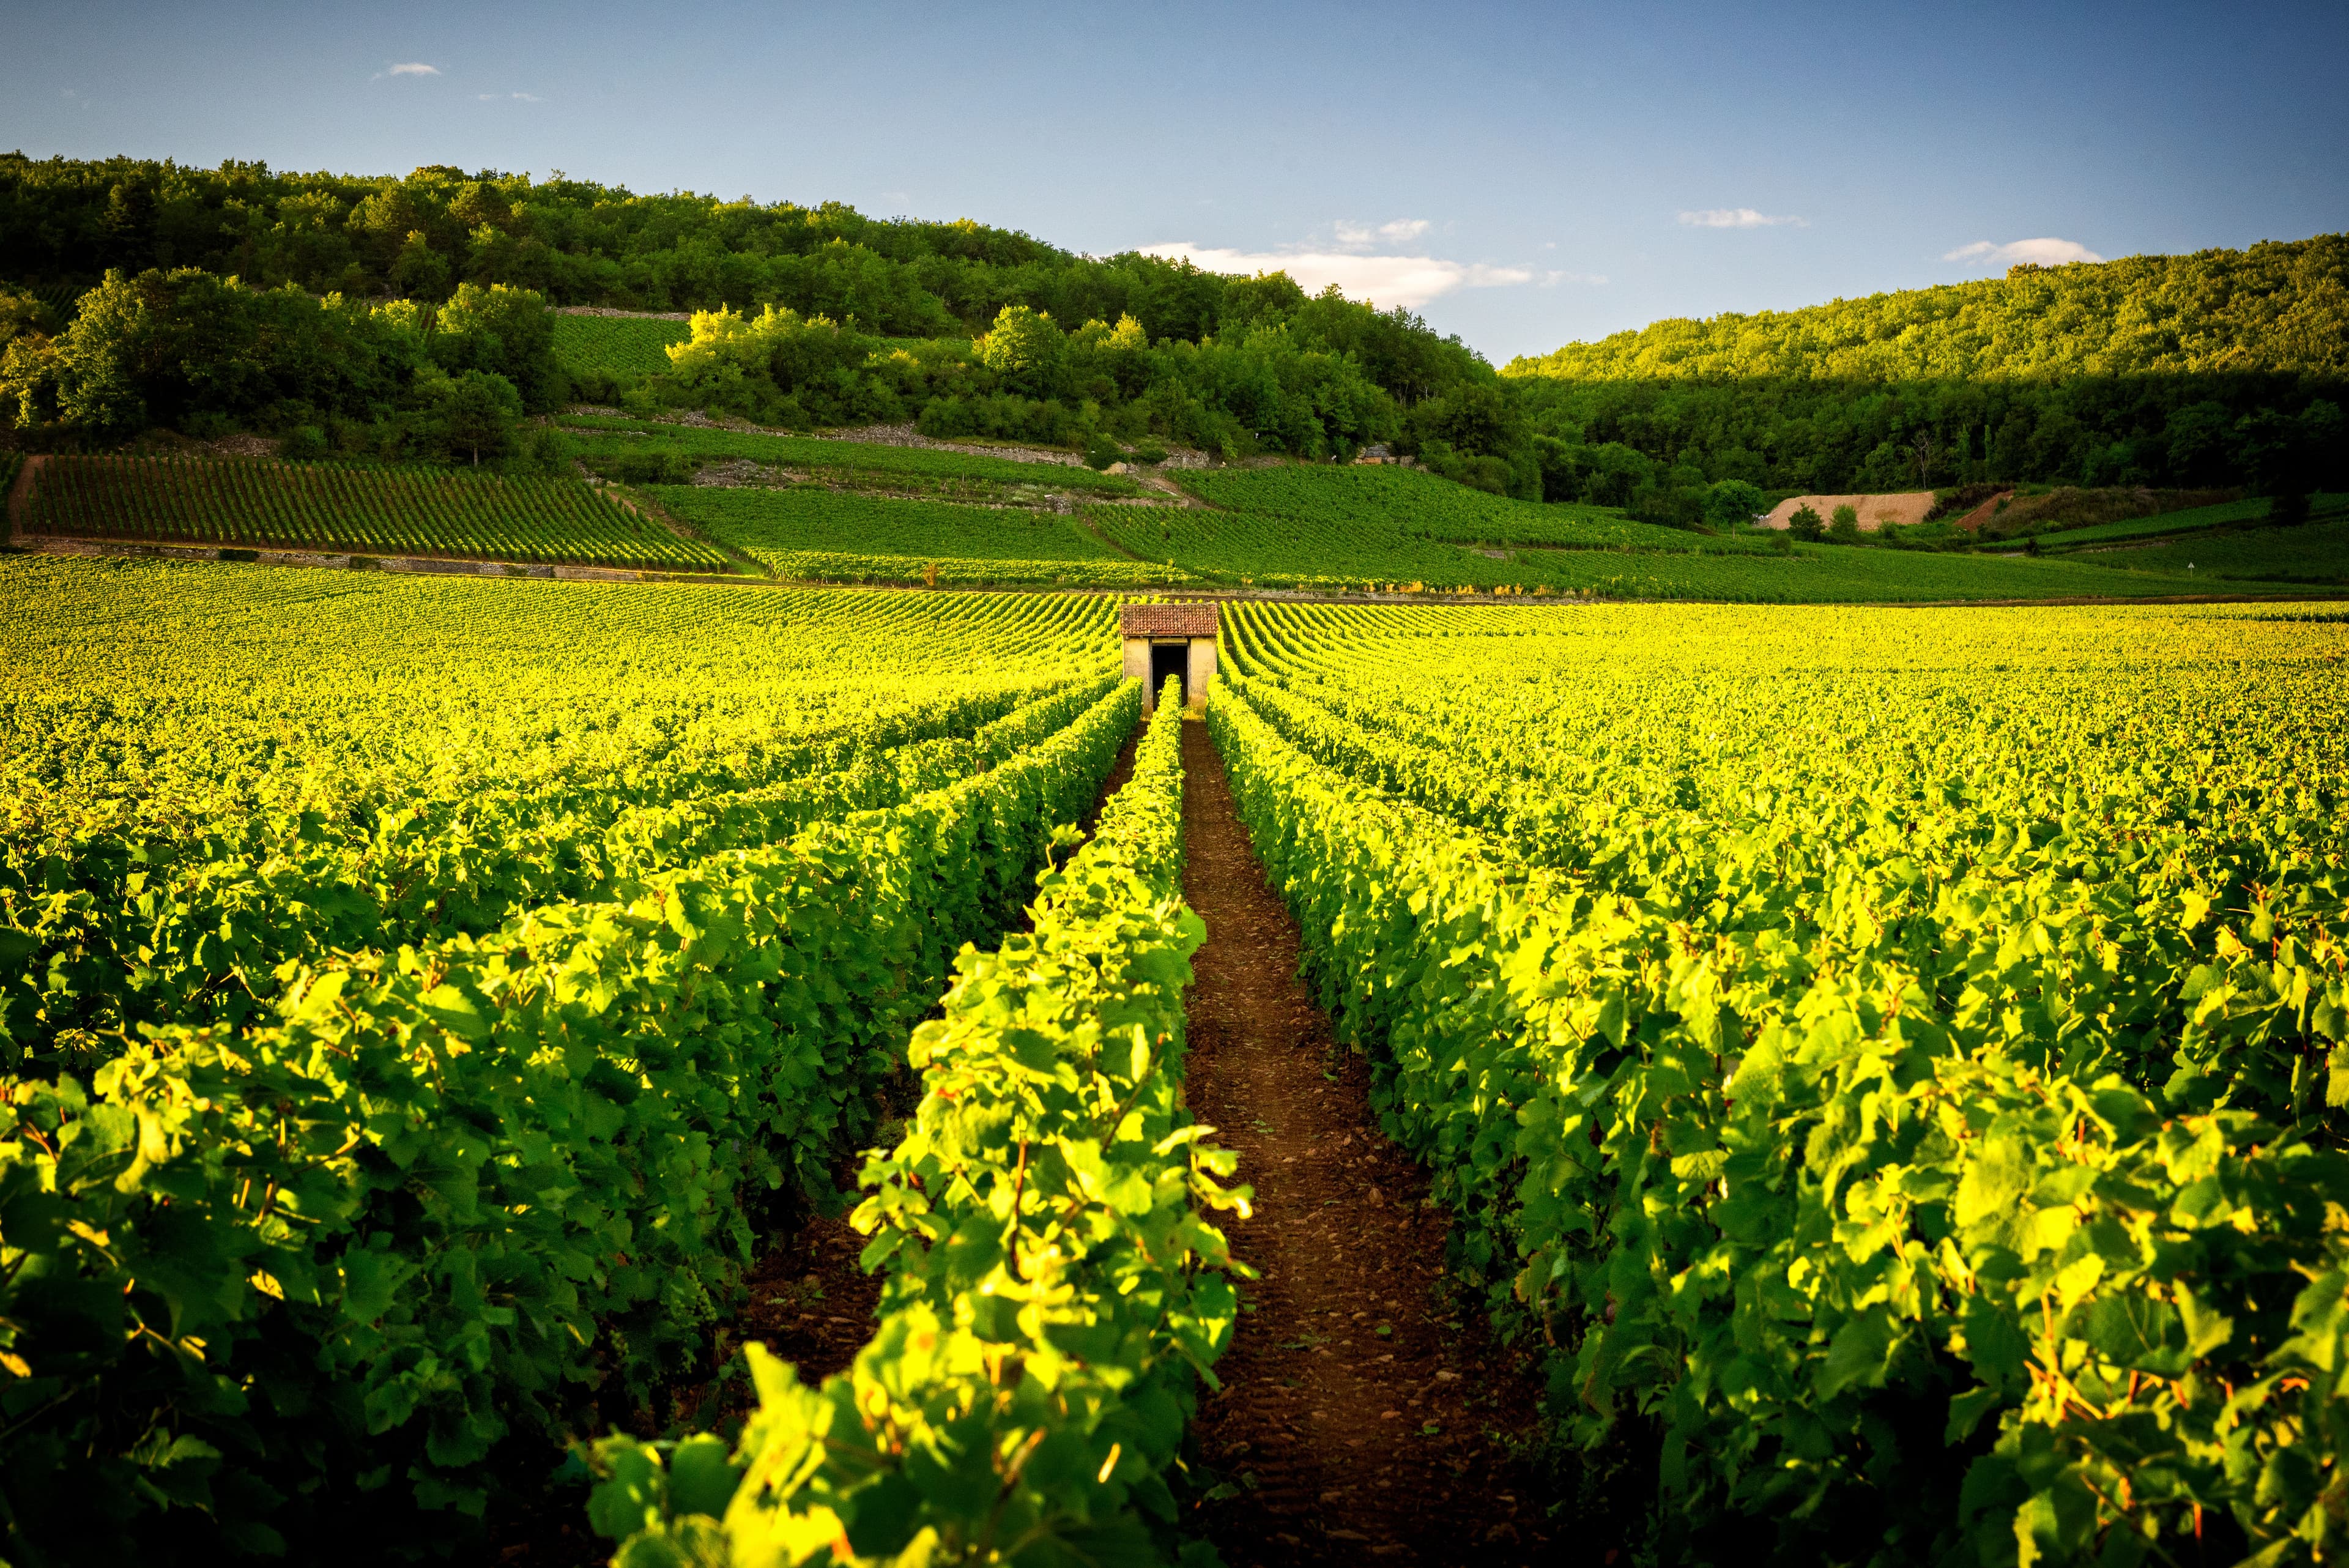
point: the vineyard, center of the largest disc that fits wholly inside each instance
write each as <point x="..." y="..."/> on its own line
<point x="1898" y="1085"/>
<point x="815" y="533"/>
<point x="1420" y="505"/>
<point x="612" y="445"/>
<point x="1336" y="536"/>
<point x="1881" y="1070"/>
<point x="2311" y="553"/>
<point x="621" y="347"/>
<point x="626" y="898"/>
<point x="367" y="510"/>
<point x="1055" y="1294"/>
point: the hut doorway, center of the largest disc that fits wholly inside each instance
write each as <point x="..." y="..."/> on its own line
<point x="1170" y="659"/>
<point x="1159" y="640"/>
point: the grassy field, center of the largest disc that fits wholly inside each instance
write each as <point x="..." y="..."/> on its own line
<point x="812" y="534"/>
<point x="364" y="511"/>
<point x="621" y="346"/>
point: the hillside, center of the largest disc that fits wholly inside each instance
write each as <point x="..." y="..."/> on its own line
<point x="321" y="507"/>
<point x="2223" y="368"/>
<point x="2279" y="308"/>
<point x="820" y="315"/>
<point x="842" y="511"/>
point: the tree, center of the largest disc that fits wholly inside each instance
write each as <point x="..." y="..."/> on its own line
<point x="1806" y="524"/>
<point x="1475" y="418"/>
<point x="20" y="316"/>
<point x="1734" y="504"/>
<point x="1024" y="348"/>
<point x="1924" y="443"/>
<point x="472" y="412"/>
<point x="505" y="331"/>
<point x="419" y="271"/>
<point x="1844" y="526"/>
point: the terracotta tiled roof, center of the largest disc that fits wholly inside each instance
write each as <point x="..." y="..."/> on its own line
<point x="1166" y="620"/>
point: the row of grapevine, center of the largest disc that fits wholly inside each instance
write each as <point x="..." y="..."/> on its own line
<point x="811" y="533"/>
<point x="254" y="787"/>
<point x="136" y="899"/>
<point x="187" y="698"/>
<point x="1934" y="1184"/>
<point x="622" y="347"/>
<point x="1326" y="548"/>
<point x="850" y="464"/>
<point x="1384" y="499"/>
<point x="369" y="510"/>
<point x="453" y="1195"/>
<point x="146" y="930"/>
<point x="1055" y="1294"/>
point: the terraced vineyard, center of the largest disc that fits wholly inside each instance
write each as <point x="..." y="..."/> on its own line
<point x="622" y="347"/>
<point x="2316" y="553"/>
<point x="1343" y="498"/>
<point x="1355" y="540"/>
<point x="2251" y="510"/>
<point x="367" y="510"/>
<point x="611" y="445"/>
<point x="629" y="896"/>
<point x="813" y="534"/>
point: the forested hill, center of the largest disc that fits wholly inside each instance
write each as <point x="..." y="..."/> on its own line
<point x="2276" y="306"/>
<point x="65" y="222"/>
<point x="2224" y="367"/>
<point x="136" y="292"/>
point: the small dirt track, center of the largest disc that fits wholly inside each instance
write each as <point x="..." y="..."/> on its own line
<point x="1363" y="1417"/>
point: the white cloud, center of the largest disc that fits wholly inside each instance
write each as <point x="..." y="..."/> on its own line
<point x="1483" y="276"/>
<point x="1357" y="236"/>
<point x="1738" y="218"/>
<point x="522" y="96"/>
<point x="1408" y="281"/>
<point x="411" y="68"/>
<point x="2039" y="253"/>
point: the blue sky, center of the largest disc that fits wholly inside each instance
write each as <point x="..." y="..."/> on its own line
<point x="1523" y="175"/>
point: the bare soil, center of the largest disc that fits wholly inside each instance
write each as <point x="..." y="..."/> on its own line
<point x="1973" y="521"/>
<point x="1905" y="508"/>
<point x="1364" y="1415"/>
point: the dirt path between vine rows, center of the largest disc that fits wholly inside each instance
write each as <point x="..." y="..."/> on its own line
<point x="1364" y="1417"/>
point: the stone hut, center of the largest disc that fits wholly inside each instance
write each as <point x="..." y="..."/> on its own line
<point x="1170" y="639"/>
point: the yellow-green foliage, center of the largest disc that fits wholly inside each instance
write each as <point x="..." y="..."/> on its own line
<point x="1911" y="1088"/>
<point x="1053" y="1297"/>
<point x="2276" y="306"/>
<point x="367" y="510"/>
<point x="403" y="994"/>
